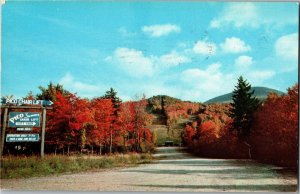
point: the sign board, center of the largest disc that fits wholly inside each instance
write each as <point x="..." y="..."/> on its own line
<point x="22" y="137"/>
<point x="24" y="129"/>
<point x="22" y="101"/>
<point x="24" y="119"/>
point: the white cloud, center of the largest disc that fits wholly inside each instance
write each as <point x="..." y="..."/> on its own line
<point x="149" y="87"/>
<point x="243" y="62"/>
<point x="173" y="59"/>
<point x="254" y="15"/>
<point x="238" y="15"/>
<point x="234" y="45"/>
<point x="133" y="62"/>
<point x="257" y="78"/>
<point x="136" y="64"/>
<point x="205" y="48"/>
<point x="160" y="30"/>
<point x="264" y="74"/>
<point x="83" y="89"/>
<point x="159" y="89"/>
<point x="206" y="84"/>
<point x="287" y="47"/>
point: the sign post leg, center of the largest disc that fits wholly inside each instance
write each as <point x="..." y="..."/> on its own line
<point x="43" y="133"/>
<point x="3" y="131"/>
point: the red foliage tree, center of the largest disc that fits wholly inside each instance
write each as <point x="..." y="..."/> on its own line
<point x="188" y="136"/>
<point x="208" y="132"/>
<point x="103" y="116"/>
<point x="67" y="121"/>
<point x="211" y="136"/>
<point x="133" y="121"/>
<point x="275" y="133"/>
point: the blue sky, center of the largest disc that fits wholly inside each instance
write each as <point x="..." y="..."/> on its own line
<point x="189" y="50"/>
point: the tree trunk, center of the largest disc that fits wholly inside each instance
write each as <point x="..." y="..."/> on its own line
<point x="100" y="149"/>
<point x="92" y="149"/>
<point x="68" y="150"/>
<point x="138" y="140"/>
<point x="249" y="149"/>
<point x="110" y="146"/>
<point x="55" y="150"/>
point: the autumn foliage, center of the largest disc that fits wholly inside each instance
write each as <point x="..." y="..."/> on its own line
<point x="275" y="132"/>
<point x="106" y="125"/>
<point x="211" y="136"/>
<point x="77" y="124"/>
<point x="179" y="110"/>
<point x="273" y="138"/>
<point x="133" y="119"/>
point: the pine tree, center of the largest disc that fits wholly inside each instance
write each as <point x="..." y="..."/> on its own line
<point x="50" y="92"/>
<point x="112" y="94"/>
<point x="243" y="107"/>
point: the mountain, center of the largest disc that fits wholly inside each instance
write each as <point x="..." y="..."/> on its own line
<point x="259" y="92"/>
<point x="155" y="103"/>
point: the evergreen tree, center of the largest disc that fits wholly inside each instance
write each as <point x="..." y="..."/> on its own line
<point x="243" y="107"/>
<point x="50" y="92"/>
<point x="112" y="94"/>
<point x="116" y="101"/>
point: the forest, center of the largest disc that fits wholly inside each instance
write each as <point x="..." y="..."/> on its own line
<point x="106" y="125"/>
<point x="97" y="126"/>
<point x="273" y="135"/>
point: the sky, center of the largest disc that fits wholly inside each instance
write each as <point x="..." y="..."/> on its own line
<point x="189" y="50"/>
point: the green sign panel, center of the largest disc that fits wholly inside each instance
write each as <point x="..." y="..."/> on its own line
<point x="22" y="137"/>
<point x="24" y="119"/>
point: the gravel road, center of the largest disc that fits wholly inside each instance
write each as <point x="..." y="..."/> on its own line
<point x="175" y="171"/>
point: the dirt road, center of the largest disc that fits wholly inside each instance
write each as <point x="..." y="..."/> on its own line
<point x="175" y="171"/>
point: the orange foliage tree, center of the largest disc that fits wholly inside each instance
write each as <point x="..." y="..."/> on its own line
<point x="99" y="134"/>
<point x="133" y="121"/>
<point x="211" y="135"/>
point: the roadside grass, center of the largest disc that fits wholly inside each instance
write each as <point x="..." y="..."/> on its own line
<point x="34" y="166"/>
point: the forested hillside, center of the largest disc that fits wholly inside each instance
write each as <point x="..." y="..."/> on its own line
<point x="273" y="137"/>
<point x="259" y="92"/>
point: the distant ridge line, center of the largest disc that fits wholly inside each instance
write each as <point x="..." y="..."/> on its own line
<point x="259" y="92"/>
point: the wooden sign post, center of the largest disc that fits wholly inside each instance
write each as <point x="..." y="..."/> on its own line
<point x="43" y="132"/>
<point x="3" y="131"/>
<point x="27" y="121"/>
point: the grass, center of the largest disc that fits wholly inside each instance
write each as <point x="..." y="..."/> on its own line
<point x="33" y="166"/>
<point x="174" y="133"/>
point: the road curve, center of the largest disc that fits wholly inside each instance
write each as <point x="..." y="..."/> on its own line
<point x="175" y="171"/>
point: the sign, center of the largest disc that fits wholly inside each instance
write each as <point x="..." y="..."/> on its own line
<point x="24" y="119"/>
<point x="22" y="137"/>
<point x="21" y="101"/>
<point x="24" y="129"/>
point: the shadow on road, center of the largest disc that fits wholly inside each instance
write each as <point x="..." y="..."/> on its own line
<point x="174" y="161"/>
<point x="269" y="187"/>
<point x="224" y="174"/>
